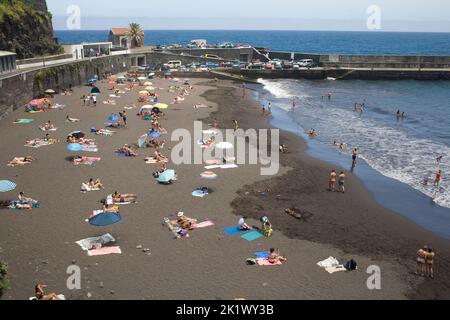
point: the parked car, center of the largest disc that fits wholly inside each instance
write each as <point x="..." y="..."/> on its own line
<point x="288" y="64"/>
<point x="269" y="66"/>
<point x="307" y="63"/>
<point x="211" y="65"/>
<point x="256" y="66"/>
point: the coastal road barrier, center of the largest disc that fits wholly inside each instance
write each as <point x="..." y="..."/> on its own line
<point x="24" y="62"/>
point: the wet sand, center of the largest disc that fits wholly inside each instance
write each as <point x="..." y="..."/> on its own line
<point x="39" y="244"/>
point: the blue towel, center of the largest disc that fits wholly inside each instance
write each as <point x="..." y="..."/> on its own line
<point x="262" y="255"/>
<point x="231" y="231"/>
<point x="199" y="193"/>
<point x="252" y="236"/>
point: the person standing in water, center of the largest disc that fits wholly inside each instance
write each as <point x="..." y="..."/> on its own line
<point x="269" y="108"/>
<point x="293" y="104"/>
<point x="354" y="157"/>
<point x="437" y="180"/>
<point x="439" y="159"/>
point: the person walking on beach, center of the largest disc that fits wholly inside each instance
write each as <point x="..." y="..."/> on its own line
<point x="429" y="261"/>
<point x="437" y="180"/>
<point x="123" y="115"/>
<point x="269" y="108"/>
<point x="341" y="182"/>
<point x="263" y="110"/>
<point x="83" y="99"/>
<point x="293" y="104"/>
<point x="332" y="182"/>
<point x="94" y="100"/>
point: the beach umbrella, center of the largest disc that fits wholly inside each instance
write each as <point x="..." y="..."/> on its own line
<point x="143" y="93"/>
<point x="77" y="134"/>
<point x="224" y="145"/>
<point x="151" y="74"/>
<point x="95" y="90"/>
<point x="105" y="219"/>
<point x="141" y="141"/>
<point x="167" y="176"/>
<point x="154" y="134"/>
<point x="6" y="185"/>
<point x="149" y="88"/>
<point x="74" y="147"/>
<point x="114" y="118"/>
<point x="50" y="91"/>
<point x="142" y="78"/>
<point x="156" y="110"/>
<point x="209" y="175"/>
<point x="148" y="83"/>
<point x="161" y="105"/>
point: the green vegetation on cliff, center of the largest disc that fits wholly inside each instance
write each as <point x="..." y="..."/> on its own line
<point x="26" y="29"/>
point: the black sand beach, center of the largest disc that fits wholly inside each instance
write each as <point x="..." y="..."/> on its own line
<point x="39" y="244"/>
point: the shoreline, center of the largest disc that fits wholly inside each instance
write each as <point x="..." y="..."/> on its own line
<point x="358" y="223"/>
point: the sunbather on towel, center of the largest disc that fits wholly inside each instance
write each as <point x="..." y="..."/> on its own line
<point x="275" y="257"/>
<point x="69" y="119"/>
<point x="112" y="208"/>
<point x="24" y="202"/>
<point x="20" y="161"/>
<point x="77" y="160"/>
<point x="159" y="158"/>
<point x="185" y="222"/>
<point x="95" y="184"/>
<point x="127" y="151"/>
<point x="48" y="126"/>
<point x="40" y="294"/>
<point x="104" y="132"/>
<point x="122" y="198"/>
<point x="243" y="225"/>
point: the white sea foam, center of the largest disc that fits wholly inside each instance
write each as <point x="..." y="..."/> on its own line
<point x="388" y="149"/>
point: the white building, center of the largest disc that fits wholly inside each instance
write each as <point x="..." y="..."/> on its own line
<point x="87" y="50"/>
<point x="7" y="61"/>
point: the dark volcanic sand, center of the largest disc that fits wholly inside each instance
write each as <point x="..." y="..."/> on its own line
<point x="352" y="222"/>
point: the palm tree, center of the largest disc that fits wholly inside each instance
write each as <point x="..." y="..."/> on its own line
<point x="136" y="35"/>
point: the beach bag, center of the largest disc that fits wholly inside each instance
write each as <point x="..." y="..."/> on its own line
<point x="350" y="265"/>
<point x="268" y="233"/>
<point x="251" y="262"/>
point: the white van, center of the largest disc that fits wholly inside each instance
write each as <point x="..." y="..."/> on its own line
<point x="174" y="64"/>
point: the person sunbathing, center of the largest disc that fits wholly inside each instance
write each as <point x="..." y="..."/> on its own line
<point x="243" y="225"/>
<point x="121" y="198"/>
<point x="210" y="141"/>
<point x="24" y="202"/>
<point x="80" y="160"/>
<point x="159" y="157"/>
<point x="69" y="119"/>
<point x="185" y="222"/>
<point x="127" y="151"/>
<point x="20" y="161"/>
<point x="111" y="208"/>
<point x="48" y="126"/>
<point x="40" y="294"/>
<point x="95" y="184"/>
<point x="284" y="148"/>
<point x="275" y="257"/>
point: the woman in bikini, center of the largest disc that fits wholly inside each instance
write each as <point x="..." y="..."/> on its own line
<point x="275" y="257"/>
<point x="121" y="198"/>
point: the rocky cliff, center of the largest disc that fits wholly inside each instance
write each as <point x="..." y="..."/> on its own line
<point x="26" y="28"/>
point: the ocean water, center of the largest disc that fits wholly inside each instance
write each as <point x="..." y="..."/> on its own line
<point x="401" y="149"/>
<point x="327" y="42"/>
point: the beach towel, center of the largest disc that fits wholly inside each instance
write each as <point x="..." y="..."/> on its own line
<point x="24" y="121"/>
<point x="151" y="160"/>
<point x="124" y="155"/>
<point x="37" y="143"/>
<point x="58" y="107"/>
<point x="104" y="132"/>
<point x="231" y="231"/>
<point x="95" y="242"/>
<point x="214" y="162"/>
<point x="266" y="263"/>
<point x="224" y="166"/>
<point x="331" y="265"/>
<point x="104" y="251"/>
<point x="90" y="148"/>
<point x="14" y="204"/>
<point x="262" y="255"/>
<point x="199" y="193"/>
<point x="43" y="129"/>
<point x="86" y="188"/>
<point x="114" y="96"/>
<point x="88" y="161"/>
<point x="203" y="224"/>
<point x="253" y="235"/>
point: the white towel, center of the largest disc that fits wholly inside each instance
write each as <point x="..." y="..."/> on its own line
<point x="224" y="166"/>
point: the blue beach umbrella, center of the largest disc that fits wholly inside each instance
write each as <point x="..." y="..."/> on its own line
<point x="141" y="141"/>
<point x="6" y="185"/>
<point x="154" y="134"/>
<point x="74" y="147"/>
<point x="77" y="134"/>
<point x="114" y="118"/>
<point x="105" y="219"/>
<point x="95" y="90"/>
<point x="167" y="176"/>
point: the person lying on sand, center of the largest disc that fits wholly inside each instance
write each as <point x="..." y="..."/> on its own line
<point x="112" y="208"/>
<point x="284" y="148"/>
<point x="275" y="257"/>
<point x="20" y="161"/>
<point x="159" y="157"/>
<point x="211" y="141"/>
<point x="185" y="222"/>
<point x="95" y="184"/>
<point x="24" y="202"/>
<point x="153" y="143"/>
<point x="77" y="160"/>
<point x="127" y="151"/>
<point x="48" y="126"/>
<point x="40" y="294"/>
<point x="122" y="198"/>
<point x="104" y="132"/>
<point x="69" y="119"/>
